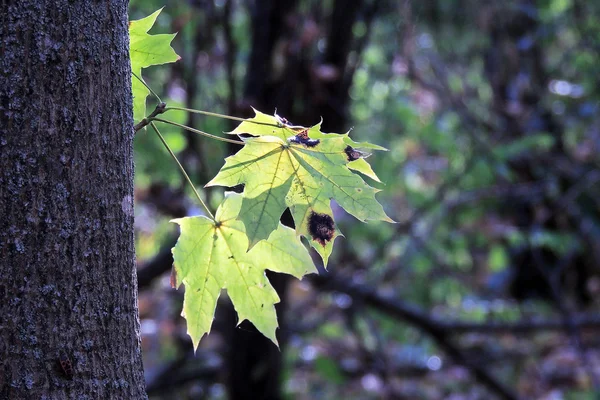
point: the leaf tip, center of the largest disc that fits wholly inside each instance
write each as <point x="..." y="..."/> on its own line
<point x="386" y="218"/>
<point x="252" y="243"/>
<point x="273" y="338"/>
<point x="211" y="183"/>
<point x="318" y="125"/>
<point x="195" y="343"/>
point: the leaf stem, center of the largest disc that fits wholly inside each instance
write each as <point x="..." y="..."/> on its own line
<point x="147" y="87"/>
<point x="182" y="170"/>
<point x="197" y="131"/>
<point x="211" y="114"/>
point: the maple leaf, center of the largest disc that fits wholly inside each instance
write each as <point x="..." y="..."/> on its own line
<point x="211" y="255"/>
<point x="303" y="169"/>
<point x="146" y="50"/>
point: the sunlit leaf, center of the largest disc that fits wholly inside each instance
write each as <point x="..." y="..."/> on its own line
<point x="212" y="255"/>
<point x="146" y="50"/>
<point x="303" y="169"/>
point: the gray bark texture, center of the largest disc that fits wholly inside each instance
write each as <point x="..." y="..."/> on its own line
<point x="69" y="326"/>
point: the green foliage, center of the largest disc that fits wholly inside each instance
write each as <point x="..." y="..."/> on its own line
<point x="146" y="50"/>
<point x="329" y="370"/>
<point x="281" y="166"/>
<point x="582" y="395"/>
<point x="465" y="171"/>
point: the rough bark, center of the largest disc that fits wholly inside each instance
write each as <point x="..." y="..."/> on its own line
<point x="68" y="286"/>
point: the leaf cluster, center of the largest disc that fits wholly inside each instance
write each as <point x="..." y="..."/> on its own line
<point x="281" y="166"/>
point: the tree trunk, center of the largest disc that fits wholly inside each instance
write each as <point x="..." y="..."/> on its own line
<point x="69" y="326"/>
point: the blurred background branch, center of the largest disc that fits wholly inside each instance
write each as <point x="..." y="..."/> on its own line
<point x="487" y="287"/>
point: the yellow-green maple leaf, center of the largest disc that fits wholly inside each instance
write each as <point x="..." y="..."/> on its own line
<point x="303" y="169"/>
<point x="146" y="50"/>
<point x="211" y="255"/>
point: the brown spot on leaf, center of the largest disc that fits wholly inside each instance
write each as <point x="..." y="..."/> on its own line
<point x="303" y="134"/>
<point x="281" y="121"/>
<point x="321" y="227"/>
<point x="352" y="154"/>
<point x="303" y="139"/>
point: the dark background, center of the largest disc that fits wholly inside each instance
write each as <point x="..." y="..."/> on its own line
<point x="488" y="285"/>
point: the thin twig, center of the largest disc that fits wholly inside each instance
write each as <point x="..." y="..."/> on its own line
<point x="553" y="281"/>
<point x="199" y="132"/>
<point x="160" y="108"/>
<point x="211" y="114"/>
<point x="417" y="318"/>
<point x="581" y="321"/>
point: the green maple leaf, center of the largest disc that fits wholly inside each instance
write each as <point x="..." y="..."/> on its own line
<point x="211" y="255"/>
<point x="303" y="169"/>
<point x="146" y="50"/>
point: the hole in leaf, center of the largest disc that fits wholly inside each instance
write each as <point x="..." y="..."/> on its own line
<point x="246" y="135"/>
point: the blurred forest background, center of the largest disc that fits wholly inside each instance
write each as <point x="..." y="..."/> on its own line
<point x="488" y="285"/>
